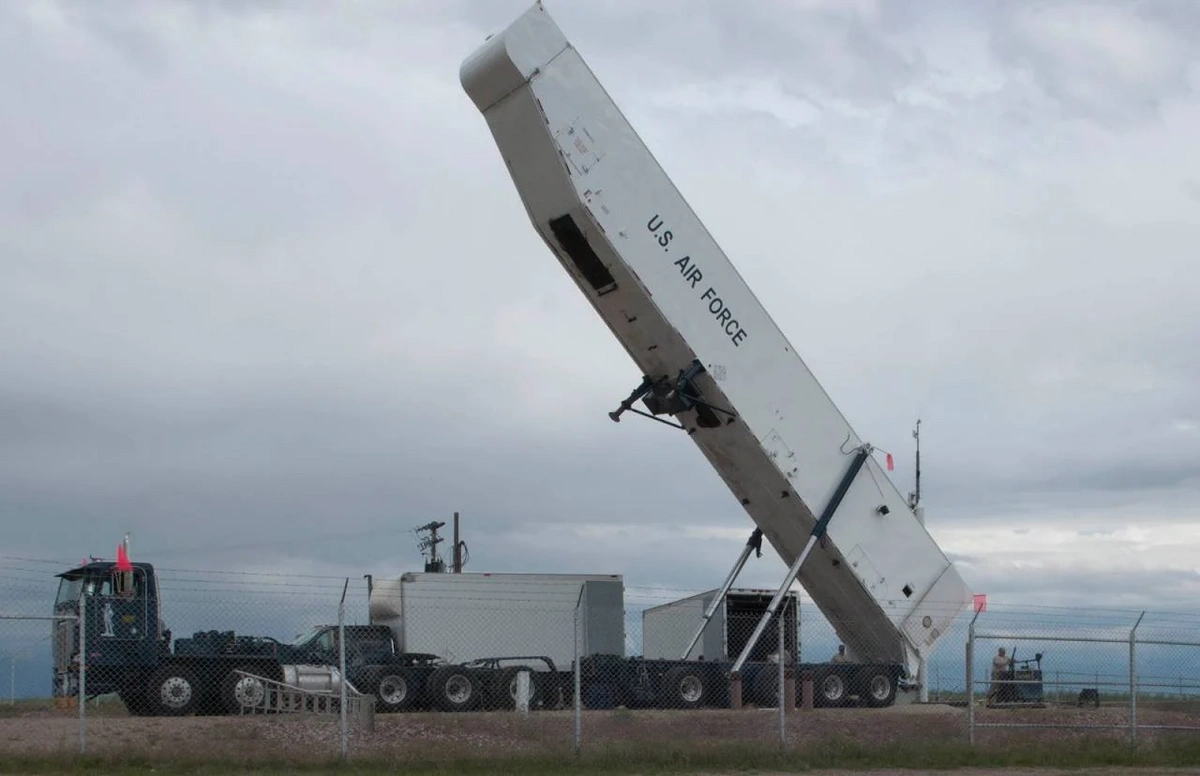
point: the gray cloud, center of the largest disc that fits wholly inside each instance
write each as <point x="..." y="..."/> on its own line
<point x="1136" y="475"/>
<point x="271" y="300"/>
<point x="1107" y="62"/>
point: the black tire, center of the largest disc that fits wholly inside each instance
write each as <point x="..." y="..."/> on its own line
<point x="554" y="691"/>
<point x="684" y="687"/>
<point x="242" y="692"/>
<point x="454" y="688"/>
<point x="497" y="683"/>
<point x="395" y="689"/>
<point x="502" y="688"/>
<point x="876" y="687"/>
<point x="830" y="689"/>
<point x="173" y="691"/>
<point x="536" y="690"/>
<point x="134" y="699"/>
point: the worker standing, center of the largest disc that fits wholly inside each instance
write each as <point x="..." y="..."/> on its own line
<point x="1000" y="664"/>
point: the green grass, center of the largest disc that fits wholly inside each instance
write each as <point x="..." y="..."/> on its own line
<point x="668" y="760"/>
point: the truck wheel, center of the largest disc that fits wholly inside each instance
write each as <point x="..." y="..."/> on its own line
<point x="455" y="688"/>
<point x="173" y="691"/>
<point x="555" y="693"/>
<point x="877" y="686"/>
<point x="134" y="699"/>
<point x="243" y="692"/>
<point x="831" y="689"/>
<point x="502" y="689"/>
<point x="394" y="689"/>
<point x="684" y="687"/>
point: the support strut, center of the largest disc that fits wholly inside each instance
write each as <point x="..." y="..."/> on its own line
<point x="663" y="396"/>
<point x="817" y="532"/>
<point x="637" y="393"/>
<point x="753" y="544"/>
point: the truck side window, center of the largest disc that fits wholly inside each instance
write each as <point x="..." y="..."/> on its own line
<point x="374" y="647"/>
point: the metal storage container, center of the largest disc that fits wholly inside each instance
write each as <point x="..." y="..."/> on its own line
<point x="667" y="629"/>
<point x="462" y="617"/>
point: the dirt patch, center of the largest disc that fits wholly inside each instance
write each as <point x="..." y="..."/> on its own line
<point x="408" y="737"/>
<point x="1123" y="771"/>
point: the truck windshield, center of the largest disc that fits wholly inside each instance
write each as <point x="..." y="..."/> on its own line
<point x="68" y="591"/>
<point x="317" y="637"/>
<point x="304" y="638"/>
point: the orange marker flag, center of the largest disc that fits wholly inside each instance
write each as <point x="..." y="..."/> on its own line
<point x="123" y="563"/>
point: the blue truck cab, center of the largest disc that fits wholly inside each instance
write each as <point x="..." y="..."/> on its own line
<point x="123" y="630"/>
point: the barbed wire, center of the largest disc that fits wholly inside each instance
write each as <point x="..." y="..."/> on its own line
<point x="282" y="585"/>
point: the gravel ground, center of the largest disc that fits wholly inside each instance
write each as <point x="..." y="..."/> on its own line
<point x="993" y="772"/>
<point x="407" y="736"/>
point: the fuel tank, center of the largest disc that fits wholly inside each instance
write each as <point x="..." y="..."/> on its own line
<point x="314" y="678"/>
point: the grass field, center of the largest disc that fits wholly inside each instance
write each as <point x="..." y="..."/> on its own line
<point x="38" y="739"/>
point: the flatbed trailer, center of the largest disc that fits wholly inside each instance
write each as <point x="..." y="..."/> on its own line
<point x="132" y="653"/>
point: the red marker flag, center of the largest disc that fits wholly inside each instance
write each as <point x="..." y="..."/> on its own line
<point x="890" y="464"/>
<point x="980" y="602"/>
<point x="123" y="563"/>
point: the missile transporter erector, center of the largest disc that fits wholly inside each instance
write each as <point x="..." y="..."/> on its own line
<point x="711" y="360"/>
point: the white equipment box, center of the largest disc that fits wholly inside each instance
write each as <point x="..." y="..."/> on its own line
<point x="463" y="617"/>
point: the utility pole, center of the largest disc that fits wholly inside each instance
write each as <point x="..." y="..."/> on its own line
<point x="434" y="564"/>
<point x="914" y="501"/>
<point x="457" y="548"/>
<point x="914" y="498"/>
<point x="458" y="554"/>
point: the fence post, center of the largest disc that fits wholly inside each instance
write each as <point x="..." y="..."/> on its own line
<point x="782" y="688"/>
<point x="523" y="691"/>
<point x="576" y="694"/>
<point x="342" y="668"/>
<point x="83" y="670"/>
<point x="1133" y="681"/>
<point x="970" y="685"/>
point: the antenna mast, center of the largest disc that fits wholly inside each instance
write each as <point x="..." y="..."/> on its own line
<point x="461" y="554"/>
<point x="914" y="498"/>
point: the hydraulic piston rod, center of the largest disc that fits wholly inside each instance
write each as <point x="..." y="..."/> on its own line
<point x="753" y="544"/>
<point x="817" y="532"/>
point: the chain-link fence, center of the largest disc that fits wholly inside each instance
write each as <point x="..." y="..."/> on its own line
<point x="259" y="666"/>
<point x="24" y="636"/>
<point x="1055" y="669"/>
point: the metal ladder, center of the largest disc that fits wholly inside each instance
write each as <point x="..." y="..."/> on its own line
<point x="281" y="698"/>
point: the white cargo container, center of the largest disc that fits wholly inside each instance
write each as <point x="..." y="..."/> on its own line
<point x="463" y="617"/>
<point x="667" y="629"/>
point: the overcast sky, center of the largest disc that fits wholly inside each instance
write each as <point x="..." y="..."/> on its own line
<point x="270" y="299"/>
